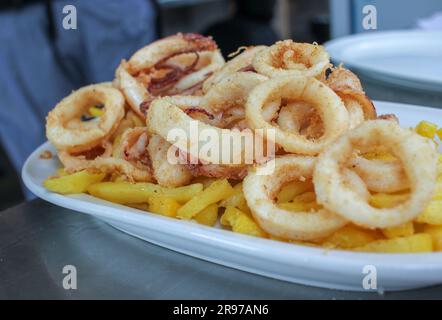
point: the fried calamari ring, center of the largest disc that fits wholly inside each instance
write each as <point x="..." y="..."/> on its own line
<point x="288" y="58"/>
<point x="129" y="157"/>
<point x="177" y="64"/>
<point x="261" y="190"/>
<point x="231" y="91"/>
<point x="418" y="157"/>
<point x="242" y="62"/>
<point x="81" y="161"/>
<point x="68" y="130"/>
<point x="330" y="108"/>
<point x="348" y="86"/>
<point x="379" y="175"/>
<point x="165" y="117"/>
<point x="166" y="173"/>
<point x="300" y="117"/>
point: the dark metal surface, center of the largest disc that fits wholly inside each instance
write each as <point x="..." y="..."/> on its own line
<point x="38" y="239"/>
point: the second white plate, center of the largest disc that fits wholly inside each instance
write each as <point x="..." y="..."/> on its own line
<point x="406" y="58"/>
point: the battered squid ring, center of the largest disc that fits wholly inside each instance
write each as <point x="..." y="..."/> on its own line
<point x="65" y="129"/>
<point x="231" y="91"/>
<point x="288" y="58"/>
<point x="329" y="106"/>
<point x="419" y="160"/>
<point x="348" y="86"/>
<point x="166" y="173"/>
<point x="242" y="62"/>
<point x="260" y="190"/>
<point x="379" y="175"/>
<point x="164" y="115"/>
<point x="129" y="158"/>
<point x="157" y="55"/>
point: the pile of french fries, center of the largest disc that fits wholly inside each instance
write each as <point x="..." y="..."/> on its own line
<point x="209" y="202"/>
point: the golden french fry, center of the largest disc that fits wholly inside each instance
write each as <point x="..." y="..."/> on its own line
<point x="404" y="230"/>
<point x="73" y="183"/>
<point x="349" y="237"/>
<point x="432" y="213"/>
<point x="217" y="191"/>
<point x="237" y="199"/>
<point x="139" y="206"/>
<point x="436" y="234"/>
<point x="241" y="222"/>
<point x="386" y="200"/>
<point x="163" y="205"/>
<point x="426" y="129"/>
<point x="420" y="242"/>
<point x="126" y="192"/>
<point x="208" y="216"/>
<point x="292" y="189"/>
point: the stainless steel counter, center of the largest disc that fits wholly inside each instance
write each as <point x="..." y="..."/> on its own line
<point x="38" y="239"/>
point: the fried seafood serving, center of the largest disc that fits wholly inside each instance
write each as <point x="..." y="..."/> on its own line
<point x="275" y="143"/>
<point x="178" y="64"/>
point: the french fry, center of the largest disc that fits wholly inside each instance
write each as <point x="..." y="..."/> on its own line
<point x="349" y="237"/>
<point x="139" y="206"/>
<point x="404" y="230"/>
<point x="436" y="235"/>
<point x="420" y="242"/>
<point x="386" y="200"/>
<point x="208" y="216"/>
<point x="426" y="129"/>
<point x="439" y="133"/>
<point x="163" y="205"/>
<point x="237" y="199"/>
<point x="206" y="181"/>
<point x="241" y="222"/>
<point x="292" y="189"/>
<point x="73" y="183"/>
<point x="126" y="192"/>
<point x="432" y="213"/>
<point x="217" y="191"/>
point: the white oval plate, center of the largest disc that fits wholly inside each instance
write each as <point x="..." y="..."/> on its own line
<point x="406" y="58"/>
<point x="301" y="264"/>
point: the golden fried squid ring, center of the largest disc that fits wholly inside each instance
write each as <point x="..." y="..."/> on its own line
<point x="301" y="117"/>
<point x="242" y="62"/>
<point x="288" y="58"/>
<point x="166" y="173"/>
<point x="164" y="117"/>
<point x="77" y="162"/>
<point x="348" y="86"/>
<point x="260" y="191"/>
<point x="129" y="158"/>
<point x="178" y="64"/>
<point x="231" y="91"/>
<point x="70" y="131"/>
<point x="330" y="108"/>
<point x="419" y="160"/>
<point x="379" y="175"/>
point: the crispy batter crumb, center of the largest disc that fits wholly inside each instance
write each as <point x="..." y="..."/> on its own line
<point x="46" y="155"/>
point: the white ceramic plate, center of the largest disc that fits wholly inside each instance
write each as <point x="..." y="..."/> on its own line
<point x="300" y="264"/>
<point x="406" y="58"/>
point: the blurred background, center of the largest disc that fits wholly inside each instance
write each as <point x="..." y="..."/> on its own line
<point x="41" y="61"/>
